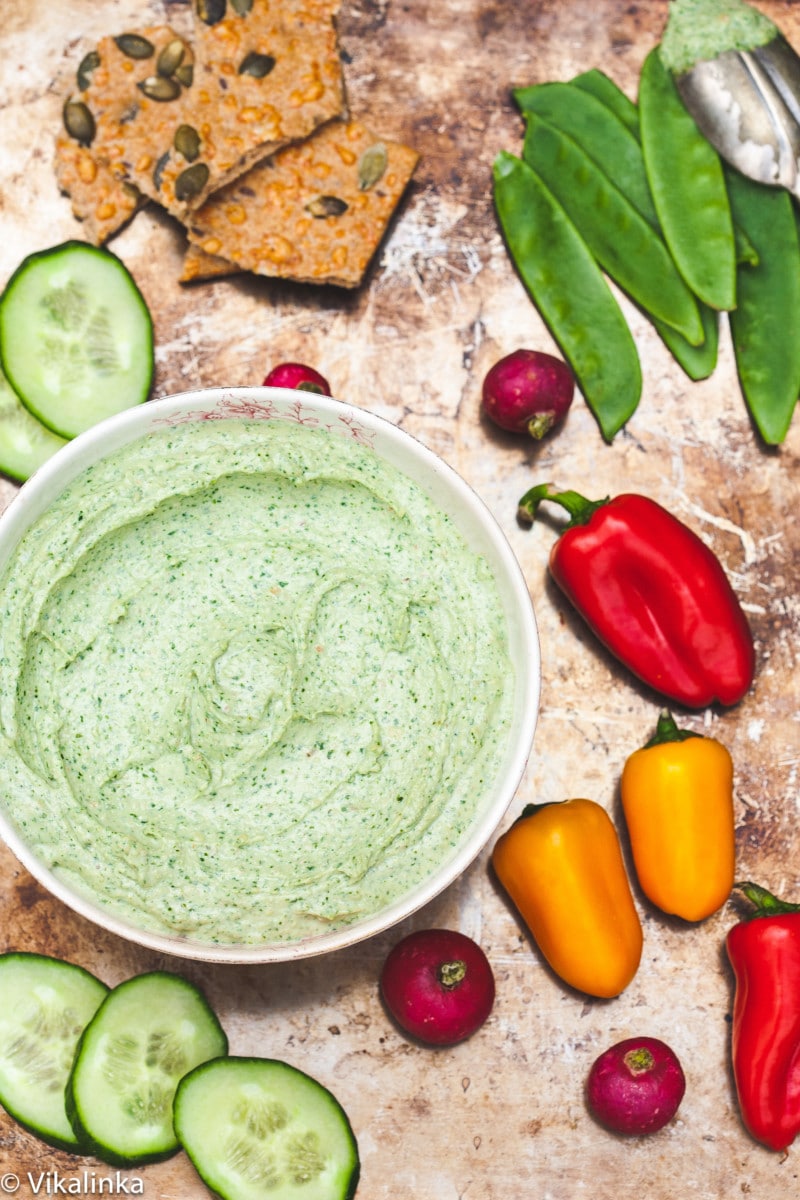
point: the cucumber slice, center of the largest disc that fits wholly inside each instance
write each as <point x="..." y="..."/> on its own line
<point x="143" y="1039"/>
<point x="256" y="1127"/>
<point x="76" y="337"/>
<point x="25" y="443"/>
<point x="46" y="1006"/>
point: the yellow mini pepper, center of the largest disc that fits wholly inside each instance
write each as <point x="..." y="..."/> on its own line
<point x="562" y="866"/>
<point x="677" y="796"/>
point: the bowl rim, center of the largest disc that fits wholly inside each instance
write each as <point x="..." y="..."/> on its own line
<point x="270" y="403"/>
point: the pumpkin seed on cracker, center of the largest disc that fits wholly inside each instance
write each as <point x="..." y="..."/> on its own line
<point x="79" y="122"/>
<point x="372" y="165"/>
<point x="89" y="63"/>
<point x="326" y="206"/>
<point x="187" y="142"/>
<point x="191" y="181"/>
<point x="159" y="87"/>
<point x="171" y="57"/>
<point x="257" y="65"/>
<point x="134" y="45"/>
<point x="210" y="11"/>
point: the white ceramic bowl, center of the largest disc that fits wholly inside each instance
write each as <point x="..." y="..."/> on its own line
<point x="450" y="493"/>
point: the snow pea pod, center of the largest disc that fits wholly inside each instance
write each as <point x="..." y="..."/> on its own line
<point x="598" y="84"/>
<point x="599" y="131"/>
<point x="698" y="362"/>
<point x="570" y="291"/>
<point x="606" y="91"/>
<point x="766" y="319"/>
<point x="688" y="188"/>
<point x="624" y="244"/>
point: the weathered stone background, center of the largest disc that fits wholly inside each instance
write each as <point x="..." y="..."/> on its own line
<point x="502" y="1115"/>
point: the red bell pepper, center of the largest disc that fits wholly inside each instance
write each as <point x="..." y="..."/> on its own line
<point x="654" y="594"/>
<point x="764" y="951"/>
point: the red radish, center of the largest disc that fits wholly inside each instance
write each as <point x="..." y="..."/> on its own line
<point x="297" y="376"/>
<point x="438" y="985"/>
<point x="636" y="1086"/>
<point x="528" y="392"/>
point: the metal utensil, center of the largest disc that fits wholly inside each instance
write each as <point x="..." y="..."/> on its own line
<point x="747" y="103"/>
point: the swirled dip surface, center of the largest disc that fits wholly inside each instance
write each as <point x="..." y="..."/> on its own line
<point x="252" y="682"/>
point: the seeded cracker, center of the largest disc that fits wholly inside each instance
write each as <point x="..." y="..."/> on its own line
<point x="129" y="89"/>
<point x="179" y="124"/>
<point x="314" y="213"/>
<point x="99" y="199"/>
<point x="267" y="72"/>
<point x="199" y="266"/>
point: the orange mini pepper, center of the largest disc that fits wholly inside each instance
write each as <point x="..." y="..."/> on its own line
<point x="677" y="796"/>
<point x="562" y="866"/>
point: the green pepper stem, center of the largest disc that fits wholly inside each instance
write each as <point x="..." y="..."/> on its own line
<point x="668" y="731"/>
<point x="579" y="508"/>
<point x="766" y="905"/>
<point x="530" y="810"/>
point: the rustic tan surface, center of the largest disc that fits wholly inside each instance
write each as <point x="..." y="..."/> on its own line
<point x="503" y="1114"/>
